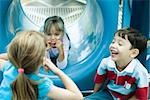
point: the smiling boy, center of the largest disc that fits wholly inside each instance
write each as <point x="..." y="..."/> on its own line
<point x="127" y="77"/>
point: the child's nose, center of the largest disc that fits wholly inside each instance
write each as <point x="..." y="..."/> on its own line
<point x="53" y="37"/>
<point x="113" y="44"/>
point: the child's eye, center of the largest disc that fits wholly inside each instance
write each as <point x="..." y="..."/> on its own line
<point x="56" y="34"/>
<point x="120" y="44"/>
<point x="49" y="34"/>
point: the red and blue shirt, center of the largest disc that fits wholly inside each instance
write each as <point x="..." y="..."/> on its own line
<point x="133" y="80"/>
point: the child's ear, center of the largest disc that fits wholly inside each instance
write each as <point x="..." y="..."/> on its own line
<point x="134" y="53"/>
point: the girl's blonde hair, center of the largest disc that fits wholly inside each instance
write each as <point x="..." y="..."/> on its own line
<point x="26" y="51"/>
<point x="55" y="21"/>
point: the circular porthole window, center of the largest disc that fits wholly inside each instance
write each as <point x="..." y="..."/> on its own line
<point x="83" y="22"/>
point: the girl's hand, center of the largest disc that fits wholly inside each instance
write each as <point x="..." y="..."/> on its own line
<point x="50" y="66"/>
<point x="59" y="44"/>
<point x="4" y="56"/>
<point x="2" y="61"/>
<point x="48" y="46"/>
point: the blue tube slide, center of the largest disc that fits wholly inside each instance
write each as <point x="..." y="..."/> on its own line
<point x="4" y="5"/>
<point x="140" y="19"/>
<point x="96" y="27"/>
<point x="136" y="15"/>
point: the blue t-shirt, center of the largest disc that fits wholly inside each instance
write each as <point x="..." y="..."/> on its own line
<point x="9" y="75"/>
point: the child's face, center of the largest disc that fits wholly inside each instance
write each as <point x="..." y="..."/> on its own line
<point x="120" y="49"/>
<point x="53" y="36"/>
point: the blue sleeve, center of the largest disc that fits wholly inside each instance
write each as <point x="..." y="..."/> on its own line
<point x="45" y="87"/>
<point x="5" y="66"/>
<point x="1" y="76"/>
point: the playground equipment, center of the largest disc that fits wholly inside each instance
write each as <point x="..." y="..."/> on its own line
<point x="90" y="25"/>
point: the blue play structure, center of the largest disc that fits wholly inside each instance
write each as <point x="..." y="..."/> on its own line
<point x="96" y="28"/>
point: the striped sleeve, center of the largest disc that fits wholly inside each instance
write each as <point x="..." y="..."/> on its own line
<point x="101" y="72"/>
<point x="142" y="86"/>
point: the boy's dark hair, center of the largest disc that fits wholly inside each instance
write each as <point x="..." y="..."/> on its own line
<point x="136" y="38"/>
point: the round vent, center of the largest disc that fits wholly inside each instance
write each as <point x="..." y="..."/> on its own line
<point x="38" y="10"/>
